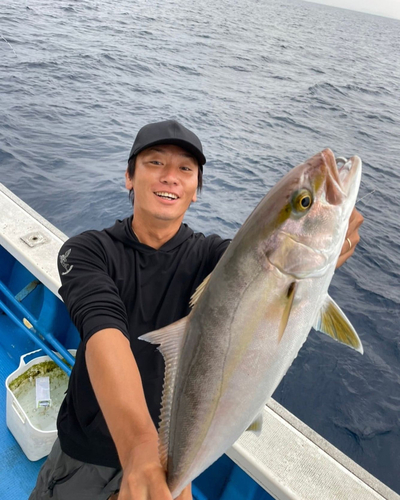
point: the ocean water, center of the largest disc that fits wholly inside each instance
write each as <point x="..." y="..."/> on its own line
<point x="265" y="84"/>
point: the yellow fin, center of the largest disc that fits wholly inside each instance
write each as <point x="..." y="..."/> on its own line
<point x="199" y="290"/>
<point x="256" y="426"/>
<point x="333" y="322"/>
<point x="286" y="311"/>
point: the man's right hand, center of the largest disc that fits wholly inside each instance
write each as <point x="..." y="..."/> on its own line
<point x="144" y="477"/>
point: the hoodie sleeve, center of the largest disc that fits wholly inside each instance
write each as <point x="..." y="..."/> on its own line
<point x="89" y="293"/>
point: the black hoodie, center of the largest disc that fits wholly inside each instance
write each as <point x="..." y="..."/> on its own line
<point x="111" y="280"/>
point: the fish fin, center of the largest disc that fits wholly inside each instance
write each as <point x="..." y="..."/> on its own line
<point x="256" y="426"/>
<point x="170" y="339"/>
<point x="199" y="290"/>
<point x="286" y="312"/>
<point x="333" y="322"/>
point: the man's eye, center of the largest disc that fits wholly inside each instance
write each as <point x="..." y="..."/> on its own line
<point x="187" y="169"/>
<point x="155" y="162"/>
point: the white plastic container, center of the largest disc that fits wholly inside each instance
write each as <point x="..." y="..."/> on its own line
<point x="35" y="443"/>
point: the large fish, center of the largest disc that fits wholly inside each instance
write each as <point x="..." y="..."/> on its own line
<point x="253" y="314"/>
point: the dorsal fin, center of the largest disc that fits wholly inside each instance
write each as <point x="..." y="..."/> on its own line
<point x="333" y="322"/>
<point x="199" y="290"/>
<point x="171" y="340"/>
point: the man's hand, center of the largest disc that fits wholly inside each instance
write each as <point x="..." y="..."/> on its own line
<point x="144" y="477"/>
<point x="185" y="495"/>
<point x="352" y="237"/>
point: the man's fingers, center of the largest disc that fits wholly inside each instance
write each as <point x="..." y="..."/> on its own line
<point x="345" y="254"/>
<point x="350" y="243"/>
<point x="147" y="485"/>
<point x="355" y="221"/>
<point x="186" y="493"/>
<point x="352" y="237"/>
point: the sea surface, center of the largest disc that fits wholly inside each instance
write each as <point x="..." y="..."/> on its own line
<point x="265" y="84"/>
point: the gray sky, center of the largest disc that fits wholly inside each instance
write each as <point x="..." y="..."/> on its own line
<point x="388" y="8"/>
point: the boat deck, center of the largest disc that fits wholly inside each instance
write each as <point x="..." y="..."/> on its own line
<point x="17" y="473"/>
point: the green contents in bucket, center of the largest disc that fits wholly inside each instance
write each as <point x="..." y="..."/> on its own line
<point x="24" y="389"/>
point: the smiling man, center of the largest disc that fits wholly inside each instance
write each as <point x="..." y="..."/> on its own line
<point x="132" y="278"/>
<point x="164" y="180"/>
<point x="122" y="282"/>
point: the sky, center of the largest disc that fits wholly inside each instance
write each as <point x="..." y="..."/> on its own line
<point x="387" y="8"/>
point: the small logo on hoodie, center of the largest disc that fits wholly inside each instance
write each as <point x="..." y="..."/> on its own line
<point x="64" y="263"/>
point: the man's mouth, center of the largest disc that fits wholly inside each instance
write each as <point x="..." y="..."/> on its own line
<point x="166" y="196"/>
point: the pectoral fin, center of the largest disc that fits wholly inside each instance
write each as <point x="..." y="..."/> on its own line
<point x="288" y="307"/>
<point x="256" y="426"/>
<point x="171" y="340"/>
<point x="333" y="322"/>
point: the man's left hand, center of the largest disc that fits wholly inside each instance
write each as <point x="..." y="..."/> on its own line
<point x="352" y="237"/>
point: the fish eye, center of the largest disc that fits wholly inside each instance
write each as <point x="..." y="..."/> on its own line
<point x="302" y="201"/>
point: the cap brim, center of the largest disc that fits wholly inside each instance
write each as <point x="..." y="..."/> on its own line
<point x="178" y="142"/>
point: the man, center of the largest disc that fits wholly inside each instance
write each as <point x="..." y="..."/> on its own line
<point x="120" y="283"/>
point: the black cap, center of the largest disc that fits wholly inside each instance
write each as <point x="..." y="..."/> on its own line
<point x="168" y="132"/>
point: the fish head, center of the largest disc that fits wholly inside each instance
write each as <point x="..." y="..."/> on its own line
<point x="308" y="213"/>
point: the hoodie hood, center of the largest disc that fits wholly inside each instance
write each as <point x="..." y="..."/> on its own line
<point x="122" y="231"/>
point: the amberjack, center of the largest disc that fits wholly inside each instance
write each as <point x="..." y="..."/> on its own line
<point x="251" y="316"/>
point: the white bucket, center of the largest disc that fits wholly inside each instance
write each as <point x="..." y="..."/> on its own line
<point x="34" y="442"/>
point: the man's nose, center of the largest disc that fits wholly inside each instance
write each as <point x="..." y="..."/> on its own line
<point x="169" y="175"/>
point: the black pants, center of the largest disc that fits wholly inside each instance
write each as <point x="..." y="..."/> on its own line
<point x="64" y="478"/>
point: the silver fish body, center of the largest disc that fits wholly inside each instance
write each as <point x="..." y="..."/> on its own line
<point x="252" y="316"/>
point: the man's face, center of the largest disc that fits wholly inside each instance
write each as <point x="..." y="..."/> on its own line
<point x="164" y="183"/>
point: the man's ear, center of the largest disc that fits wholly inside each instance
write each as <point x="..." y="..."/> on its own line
<point x="128" y="181"/>
<point x="194" y="197"/>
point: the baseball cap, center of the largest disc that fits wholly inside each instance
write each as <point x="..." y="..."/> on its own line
<point x="168" y="132"/>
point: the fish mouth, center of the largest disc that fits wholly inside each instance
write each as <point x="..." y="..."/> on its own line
<point x="349" y="172"/>
<point x="344" y="177"/>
